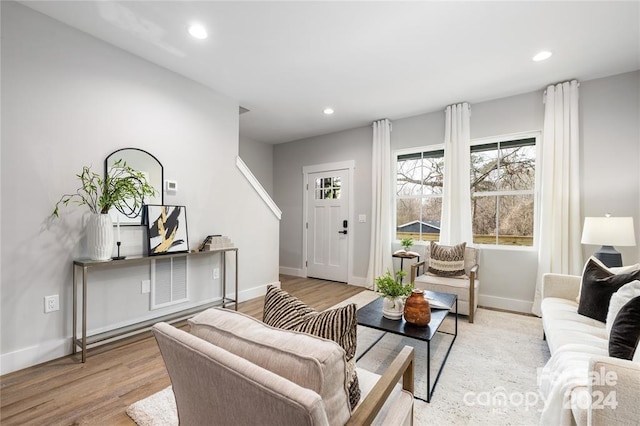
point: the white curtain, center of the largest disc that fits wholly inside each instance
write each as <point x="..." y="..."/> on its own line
<point x="455" y="224"/>
<point x="559" y="249"/>
<point x="381" y="202"/>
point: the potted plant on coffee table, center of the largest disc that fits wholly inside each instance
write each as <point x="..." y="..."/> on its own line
<point x="393" y="292"/>
<point x="122" y="187"/>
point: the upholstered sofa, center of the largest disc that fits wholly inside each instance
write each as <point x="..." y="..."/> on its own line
<point x="581" y="384"/>
<point x="233" y="369"/>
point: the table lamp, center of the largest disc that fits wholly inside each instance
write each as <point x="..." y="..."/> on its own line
<point x="608" y="231"/>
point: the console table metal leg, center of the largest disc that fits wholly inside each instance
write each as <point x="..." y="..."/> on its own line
<point x="223" y="270"/>
<point x="236" y="295"/>
<point x="74" y="334"/>
<point x="84" y="314"/>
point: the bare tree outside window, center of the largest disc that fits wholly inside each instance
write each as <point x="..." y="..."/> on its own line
<point x="502" y="180"/>
<point x="419" y="179"/>
<point x="502" y="192"/>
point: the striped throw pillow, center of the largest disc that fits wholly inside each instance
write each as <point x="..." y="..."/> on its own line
<point x="445" y="261"/>
<point x="287" y="312"/>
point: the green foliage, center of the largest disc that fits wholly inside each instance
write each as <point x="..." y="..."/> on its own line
<point x="406" y="243"/>
<point x="123" y="188"/>
<point x="389" y="286"/>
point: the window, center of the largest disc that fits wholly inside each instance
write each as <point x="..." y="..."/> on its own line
<point x="419" y="195"/>
<point x="328" y="188"/>
<point x="503" y="192"/>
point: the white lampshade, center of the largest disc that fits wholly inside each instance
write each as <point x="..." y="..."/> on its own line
<point x="608" y="231"/>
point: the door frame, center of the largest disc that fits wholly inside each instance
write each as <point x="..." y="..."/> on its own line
<point x="350" y="166"/>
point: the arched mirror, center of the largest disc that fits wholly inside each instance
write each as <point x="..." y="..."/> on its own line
<point x="150" y="167"/>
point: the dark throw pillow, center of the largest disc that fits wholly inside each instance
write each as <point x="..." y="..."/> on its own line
<point x="287" y="312"/>
<point x="598" y="284"/>
<point x="625" y="332"/>
<point x="445" y="261"/>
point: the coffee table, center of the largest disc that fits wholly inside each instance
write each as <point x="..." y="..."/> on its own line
<point x="370" y="316"/>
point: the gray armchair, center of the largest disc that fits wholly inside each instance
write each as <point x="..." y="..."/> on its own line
<point x="262" y="375"/>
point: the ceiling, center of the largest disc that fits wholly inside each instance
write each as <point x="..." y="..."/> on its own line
<point x="287" y="61"/>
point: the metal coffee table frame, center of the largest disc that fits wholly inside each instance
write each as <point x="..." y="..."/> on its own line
<point x="371" y="316"/>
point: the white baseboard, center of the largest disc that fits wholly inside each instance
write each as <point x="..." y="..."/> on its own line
<point x="47" y="351"/>
<point x="295" y="272"/>
<point x="358" y="281"/>
<point x="515" y="305"/>
<point x="254" y="292"/>
<point x="27" y="357"/>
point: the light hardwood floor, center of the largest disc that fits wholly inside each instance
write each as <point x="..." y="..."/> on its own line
<point x="67" y="392"/>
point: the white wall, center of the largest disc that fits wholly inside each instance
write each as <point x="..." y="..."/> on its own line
<point x="69" y="100"/>
<point x="258" y="156"/>
<point x="507" y="275"/>
<point x="610" y="131"/>
<point x="289" y="159"/>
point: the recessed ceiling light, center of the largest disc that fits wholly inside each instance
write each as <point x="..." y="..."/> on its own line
<point x="328" y="111"/>
<point x="198" y="31"/>
<point x="541" y="56"/>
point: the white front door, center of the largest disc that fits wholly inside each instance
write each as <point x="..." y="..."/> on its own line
<point x="327" y="225"/>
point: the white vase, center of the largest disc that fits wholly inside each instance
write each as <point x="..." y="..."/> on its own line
<point x="392" y="308"/>
<point x="100" y="237"/>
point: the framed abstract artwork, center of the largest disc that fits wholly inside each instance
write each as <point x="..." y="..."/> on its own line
<point x="166" y="229"/>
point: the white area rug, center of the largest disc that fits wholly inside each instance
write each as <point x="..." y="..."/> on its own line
<point x="490" y="377"/>
<point x="157" y="410"/>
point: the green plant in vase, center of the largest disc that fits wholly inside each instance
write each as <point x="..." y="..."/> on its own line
<point x="393" y="292"/>
<point x="407" y="243"/>
<point x="391" y="287"/>
<point x="122" y="188"/>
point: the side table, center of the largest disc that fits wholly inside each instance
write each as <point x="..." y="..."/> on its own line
<point x="402" y="255"/>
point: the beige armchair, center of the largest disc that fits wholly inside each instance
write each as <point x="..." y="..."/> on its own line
<point x="466" y="288"/>
<point x="240" y="371"/>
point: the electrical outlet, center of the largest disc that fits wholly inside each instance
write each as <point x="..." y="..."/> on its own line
<point x="145" y="286"/>
<point x="216" y="273"/>
<point x="51" y="303"/>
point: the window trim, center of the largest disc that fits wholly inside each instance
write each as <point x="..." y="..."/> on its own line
<point x="537" y="135"/>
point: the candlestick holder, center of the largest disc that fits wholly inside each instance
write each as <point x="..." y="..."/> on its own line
<point x="118" y="257"/>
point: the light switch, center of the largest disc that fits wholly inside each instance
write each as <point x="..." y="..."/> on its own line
<point x="362" y="218"/>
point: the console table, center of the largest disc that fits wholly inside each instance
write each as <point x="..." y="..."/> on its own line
<point x="86" y="265"/>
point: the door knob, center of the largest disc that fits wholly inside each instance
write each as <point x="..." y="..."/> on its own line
<point x="343" y="232"/>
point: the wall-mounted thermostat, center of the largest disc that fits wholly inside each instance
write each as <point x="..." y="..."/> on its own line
<point x="171" y="186"/>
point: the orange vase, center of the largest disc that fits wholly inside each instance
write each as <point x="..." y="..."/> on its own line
<point x="416" y="309"/>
